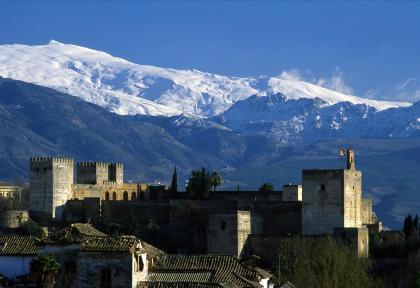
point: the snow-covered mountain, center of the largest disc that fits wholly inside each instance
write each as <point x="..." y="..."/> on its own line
<point x="128" y="89"/>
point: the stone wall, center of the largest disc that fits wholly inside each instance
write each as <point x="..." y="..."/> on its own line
<point x="50" y="185"/>
<point x="358" y="238"/>
<point x="352" y="198"/>
<point x="87" y="210"/>
<point x="280" y="218"/>
<point x="322" y="200"/>
<point x="367" y="212"/>
<point x="228" y="232"/>
<point x="13" y="218"/>
<point x="116" y="172"/>
<point x="292" y="193"/>
<point x="92" y="172"/>
<point x="111" y="190"/>
<point x="91" y="265"/>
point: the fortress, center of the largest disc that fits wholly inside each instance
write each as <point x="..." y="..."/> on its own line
<point x="239" y="223"/>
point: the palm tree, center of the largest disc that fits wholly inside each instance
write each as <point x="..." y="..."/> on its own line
<point x="216" y="180"/>
<point x="45" y="267"/>
<point x="266" y="187"/>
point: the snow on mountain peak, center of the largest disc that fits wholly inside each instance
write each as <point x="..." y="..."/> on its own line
<point x="125" y="88"/>
<point x="296" y="89"/>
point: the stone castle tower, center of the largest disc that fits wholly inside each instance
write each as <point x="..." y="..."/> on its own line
<point x="50" y="186"/>
<point x="332" y="199"/>
<point x="99" y="173"/>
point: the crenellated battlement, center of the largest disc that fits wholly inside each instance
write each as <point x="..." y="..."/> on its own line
<point x="117" y="165"/>
<point x="93" y="164"/>
<point x="49" y="159"/>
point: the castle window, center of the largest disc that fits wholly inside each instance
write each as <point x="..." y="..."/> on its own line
<point x="125" y="196"/>
<point x="107" y="196"/>
<point x="322" y="187"/>
<point x="114" y="195"/>
<point x="133" y="196"/>
<point x="223" y="225"/>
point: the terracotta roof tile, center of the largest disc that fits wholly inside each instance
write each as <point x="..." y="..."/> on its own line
<point x="224" y="269"/>
<point x="109" y="244"/>
<point x="18" y="245"/>
<point x="75" y="233"/>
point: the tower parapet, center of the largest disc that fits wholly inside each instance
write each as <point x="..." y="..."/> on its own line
<point x="50" y="186"/>
<point x="99" y="173"/>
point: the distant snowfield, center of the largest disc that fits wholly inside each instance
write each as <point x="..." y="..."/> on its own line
<point x="127" y="88"/>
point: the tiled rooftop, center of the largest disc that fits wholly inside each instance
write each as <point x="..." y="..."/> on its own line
<point x="216" y="269"/>
<point x="75" y="233"/>
<point x="184" y="285"/>
<point x="18" y="245"/>
<point x="109" y="244"/>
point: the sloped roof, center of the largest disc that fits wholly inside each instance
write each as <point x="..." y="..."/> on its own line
<point x="75" y="233"/>
<point x="150" y="250"/>
<point x="109" y="244"/>
<point x="223" y="270"/>
<point x="91" y="239"/>
<point x="18" y="245"/>
<point x="184" y="285"/>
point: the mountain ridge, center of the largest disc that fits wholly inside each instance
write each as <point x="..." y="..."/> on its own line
<point x="127" y="88"/>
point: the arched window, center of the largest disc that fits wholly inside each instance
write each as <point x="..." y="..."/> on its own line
<point x="107" y="196"/>
<point x="133" y="196"/>
<point x="114" y="195"/>
<point x="125" y="196"/>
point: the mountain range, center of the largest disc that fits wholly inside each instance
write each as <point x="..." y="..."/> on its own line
<point x="61" y="99"/>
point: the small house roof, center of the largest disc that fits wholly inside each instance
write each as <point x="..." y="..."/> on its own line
<point x="11" y="245"/>
<point x="215" y="269"/>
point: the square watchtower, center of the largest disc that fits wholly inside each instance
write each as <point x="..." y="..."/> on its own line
<point x="50" y="186"/>
<point x="331" y="199"/>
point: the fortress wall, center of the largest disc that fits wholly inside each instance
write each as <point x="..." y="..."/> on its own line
<point x="140" y="212"/>
<point x="322" y="201"/>
<point x="367" y="212"/>
<point x="352" y="198"/>
<point x="281" y="218"/>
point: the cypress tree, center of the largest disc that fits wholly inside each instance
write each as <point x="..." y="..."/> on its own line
<point x="174" y="184"/>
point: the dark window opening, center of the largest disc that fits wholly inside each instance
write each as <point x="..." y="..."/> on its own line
<point x="106" y="278"/>
<point x="125" y="196"/>
<point x="141" y="196"/>
<point x="133" y="196"/>
<point x="114" y="195"/>
<point x="107" y="196"/>
<point x="70" y="267"/>
<point x="223" y="225"/>
<point x="322" y="187"/>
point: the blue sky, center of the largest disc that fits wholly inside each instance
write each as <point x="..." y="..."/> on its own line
<point x="367" y="48"/>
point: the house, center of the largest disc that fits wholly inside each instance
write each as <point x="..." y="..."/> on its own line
<point x="90" y="258"/>
<point x="16" y="254"/>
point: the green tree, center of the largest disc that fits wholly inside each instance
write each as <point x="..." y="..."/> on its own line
<point x="32" y="228"/>
<point x="416" y="224"/>
<point x="266" y="187"/>
<point x="45" y="267"/>
<point x="408" y="226"/>
<point x="174" y="184"/>
<point x="199" y="184"/>
<point x="320" y="262"/>
<point x="216" y="179"/>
